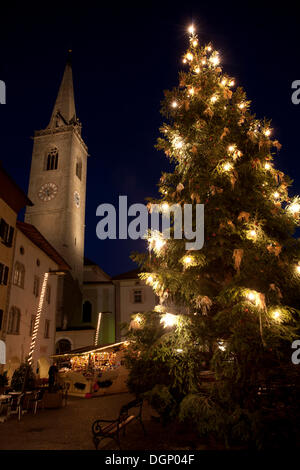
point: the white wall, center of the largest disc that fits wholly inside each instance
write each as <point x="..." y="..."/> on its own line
<point x="18" y="345"/>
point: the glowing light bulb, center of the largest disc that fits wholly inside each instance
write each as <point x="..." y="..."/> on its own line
<point x="195" y="42"/>
<point x="231" y="83"/>
<point x="179" y="350"/>
<point x="187" y="260"/>
<point x="214" y="99"/>
<point x="227" y="166"/>
<point x="267" y="166"/>
<point x="184" y="61"/>
<point x="276" y="195"/>
<point x="267" y="132"/>
<point x="150" y="279"/>
<point x="224" y="81"/>
<point x="178" y="144"/>
<point x="174" y="104"/>
<point x="191" y="29"/>
<point x="209" y="48"/>
<point x="192" y="91"/>
<point x="251" y="296"/>
<point x="159" y="244"/>
<point x="276" y="315"/>
<point x="169" y="320"/>
<point x="231" y="148"/>
<point x="215" y="60"/>
<point x="165" y="206"/>
<point x="252" y="234"/>
<point x="298" y="269"/>
<point x="221" y="346"/>
<point x="294" y="208"/>
<point x="189" y="56"/>
<point x="203" y="61"/>
<point x="197" y="69"/>
<point x="242" y="105"/>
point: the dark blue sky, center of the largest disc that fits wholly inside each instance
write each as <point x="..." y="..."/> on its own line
<point x="123" y="59"/>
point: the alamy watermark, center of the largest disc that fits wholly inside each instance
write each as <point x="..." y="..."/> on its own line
<point x="2" y="92"/>
<point x="187" y="220"/>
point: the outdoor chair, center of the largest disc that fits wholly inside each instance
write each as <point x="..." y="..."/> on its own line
<point x="17" y="405"/>
<point x="38" y="398"/>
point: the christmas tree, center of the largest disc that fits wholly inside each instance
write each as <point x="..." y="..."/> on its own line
<point x="217" y="349"/>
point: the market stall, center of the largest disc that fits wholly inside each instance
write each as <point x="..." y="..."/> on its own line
<point x="93" y="371"/>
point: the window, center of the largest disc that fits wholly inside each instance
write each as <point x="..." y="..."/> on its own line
<point x="32" y="322"/>
<point x="5" y="276"/>
<point x="6" y="233"/>
<point x="1" y="318"/>
<point x="63" y="346"/>
<point x="36" y="286"/>
<point x="137" y="296"/>
<point x="19" y="275"/>
<point x="79" y="169"/>
<point x="87" y="312"/>
<point x="52" y="159"/>
<point x="48" y="294"/>
<point x="47" y="329"/>
<point x="22" y="251"/>
<point x="14" y="321"/>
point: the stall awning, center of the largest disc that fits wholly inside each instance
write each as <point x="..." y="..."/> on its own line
<point x="89" y="350"/>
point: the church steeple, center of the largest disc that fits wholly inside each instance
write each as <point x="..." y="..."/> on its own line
<point x="64" y="112"/>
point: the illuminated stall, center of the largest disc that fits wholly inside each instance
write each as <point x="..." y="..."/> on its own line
<point x="93" y="371"/>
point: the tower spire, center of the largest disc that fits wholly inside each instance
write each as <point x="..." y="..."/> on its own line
<point x="64" y="112"/>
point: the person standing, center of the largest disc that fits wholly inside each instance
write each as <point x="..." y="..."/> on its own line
<point x="53" y="371"/>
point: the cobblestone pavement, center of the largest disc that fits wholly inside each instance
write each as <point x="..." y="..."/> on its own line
<point x="69" y="428"/>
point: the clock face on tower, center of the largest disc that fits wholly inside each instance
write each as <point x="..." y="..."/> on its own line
<point x="77" y="199"/>
<point x="48" y="191"/>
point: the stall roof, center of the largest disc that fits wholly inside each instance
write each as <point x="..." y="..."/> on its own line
<point x="88" y="349"/>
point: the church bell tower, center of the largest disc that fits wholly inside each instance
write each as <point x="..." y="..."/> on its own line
<point x="57" y="187"/>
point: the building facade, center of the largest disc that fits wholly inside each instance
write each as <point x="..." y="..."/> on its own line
<point x="132" y="296"/>
<point x="12" y="200"/>
<point x="96" y="323"/>
<point x="57" y="187"/>
<point x="36" y="269"/>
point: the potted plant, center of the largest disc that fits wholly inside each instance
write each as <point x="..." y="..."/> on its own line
<point x="23" y="378"/>
<point x="53" y="397"/>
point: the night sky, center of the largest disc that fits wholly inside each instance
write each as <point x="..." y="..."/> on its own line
<point x="123" y="59"/>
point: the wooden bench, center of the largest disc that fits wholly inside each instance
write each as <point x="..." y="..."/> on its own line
<point x="111" y="428"/>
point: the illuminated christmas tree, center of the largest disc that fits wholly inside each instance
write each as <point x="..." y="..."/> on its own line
<point x="231" y="307"/>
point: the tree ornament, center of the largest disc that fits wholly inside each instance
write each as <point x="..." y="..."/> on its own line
<point x="209" y="112"/>
<point x="225" y="132"/>
<point x="204" y="303"/>
<point x="243" y="216"/>
<point x="179" y="187"/>
<point x="238" y="256"/>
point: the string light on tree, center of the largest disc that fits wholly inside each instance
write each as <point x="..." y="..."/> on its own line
<point x="214" y="98"/>
<point x="252" y="234"/>
<point x="227" y="166"/>
<point x="267" y="132"/>
<point x="174" y="104"/>
<point x="276" y="195"/>
<point x="267" y="166"/>
<point x="191" y="29"/>
<point x="168" y="319"/>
